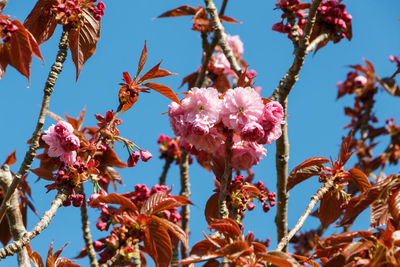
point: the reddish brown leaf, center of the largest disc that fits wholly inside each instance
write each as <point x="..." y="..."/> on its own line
<point x="305" y="170"/>
<point x="379" y="213"/>
<point x="44" y="173"/>
<point x="345" y="153"/>
<point x="83" y="42"/>
<point x="167" y="204"/>
<point x="184" y="10"/>
<point x="193" y="258"/>
<point x="51" y="258"/>
<point x="211" y="210"/>
<point x="329" y="209"/>
<point x="173" y="228"/>
<point x="118" y="199"/>
<point x="5" y="234"/>
<point x="360" y="179"/>
<point x="306" y="260"/>
<point x="356" y="247"/>
<point x="164" y="90"/>
<point x="251" y="188"/>
<point x="142" y="60"/>
<point x="153" y="201"/>
<point x="150" y="74"/>
<point x="208" y="244"/>
<point x="35" y="257"/>
<point x="19" y="49"/>
<point x="390" y="84"/>
<point x="228" y="19"/>
<point x="109" y="158"/>
<point x="235" y="249"/>
<point x="76" y="122"/>
<point x="227" y="226"/>
<point x="162" y="73"/>
<point x="394" y="205"/>
<point x="11" y="159"/>
<point x="190" y="80"/>
<point x="157" y="243"/>
<point x="279" y="259"/>
<point x="41" y="21"/>
<point x="63" y="262"/>
<point x="358" y="204"/>
<point x="336" y="240"/>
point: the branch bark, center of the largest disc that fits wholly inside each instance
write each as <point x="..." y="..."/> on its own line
<point x="185" y="191"/>
<point x="314" y="200"/>
<point x="17" y="245"/>
<point x="163" y="176"/>
<point x="220" y="34"/>
<point x="282" y="145"/>
<point x="282" y="160"/>
<point x="48" y="89"/>
<point x="14" y="216"/>
<point x="226" y="178"/>
<point x="87" y="236"/>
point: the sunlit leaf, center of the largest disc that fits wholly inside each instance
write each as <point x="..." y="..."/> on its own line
<point x="305" y="170"/>
<point x="279" y="259"/>
<point x="329" y="209"/>
<point x="211" y="210"/>
<point x="118" y="199"/>
<point x="164" y="90"/>
<point x="360" y="179"/>
<point x="394" y="205"/>
<point x="184" y="10"/>
<point x="227" y="226"/>
<point x="83" y="42"/>
<point x="173" y="228"/>
<point x="142" y="60"/>
<point x="11" y="159"/>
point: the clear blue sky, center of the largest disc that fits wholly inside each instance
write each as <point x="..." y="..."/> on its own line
<point x="315" y="120"/>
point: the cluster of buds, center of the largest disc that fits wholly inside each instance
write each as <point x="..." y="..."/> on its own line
<point x="134" y="157"/>
<point x="333" y="14"/>
<point x="71" y="11"/>
<point x="353" y="82"/>
<point x="171" y="148"/>
<point x="242" y="198"/>
<point x="206" y="115"/>
<point x="7" y="28"/>
<point x="76" y="200"/>
<point x="267" y="198"/>
<point x="295" y="9"/>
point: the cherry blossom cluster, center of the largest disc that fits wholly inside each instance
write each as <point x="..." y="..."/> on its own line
<point x="71" y="11"/>
<point x="62" y="142"/>
<point x="205" y="115"/>
<point x="7" y="28"/>
<point x="352" y="82"/>
<point x="123" y="236"/>
<point x="334" y="15"/>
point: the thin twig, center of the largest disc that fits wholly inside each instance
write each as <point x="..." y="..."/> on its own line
<point x="289" y="79"/>
<point x="167" y="164"/>
<point x="15" y="221"/>
<point x="321" y="38"/>
<point x="223" y="7"/>
<point x="48" y="89"/>
<point x="220" y="34"/>
<point x="314" y="200"/>
<point x="226" y="178"/>
<point x="208" y="51"/>
<point x="17" y="245"/>
<point x="185" y="191"/>
<point x="87" y="236"/>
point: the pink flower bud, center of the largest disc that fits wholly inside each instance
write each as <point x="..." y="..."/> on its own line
<point x="250" y="206"/>
<point x="102" y="226"/>
<point x="101" y="6"/>
<point x="145" y="155"/>
<point x="392" y="58"/>
<point x="98" y="245"/>
<point x="133" y="159"/>
<point x="360" y="81"/>
<point x="252" y="131"/>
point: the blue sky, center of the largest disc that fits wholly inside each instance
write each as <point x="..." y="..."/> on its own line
<point x="315" y="120"/>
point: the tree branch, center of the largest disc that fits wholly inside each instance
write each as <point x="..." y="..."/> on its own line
<point x="185" y="191"/>
<point x="87" y="236"/>
<point x="314" y="200"/>
<point x="14" y="216"/>
<point x="220" y="34"/>
<point x="17" y="245"/>
<point x="114" y="259"/>
<point x="282" y="160"/>
<point x="289" y="79"/>
<point x="48" y="89"/>
<point x="226" y="178"/>
<point x="322" y="37"/>
<point x="163" y="176"/>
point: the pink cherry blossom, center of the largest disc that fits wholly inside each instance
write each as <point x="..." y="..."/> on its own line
<point x="222" y="65"/>
<point x="236" y="44"/>
<point x="62" y="142"/>
<point x="241" y="106"/>
<point x="273" y="112"/>
<point x="252" y="131"/>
